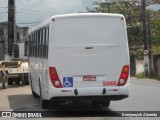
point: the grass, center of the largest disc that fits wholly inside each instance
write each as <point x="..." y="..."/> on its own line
<point x="142" y="76"/>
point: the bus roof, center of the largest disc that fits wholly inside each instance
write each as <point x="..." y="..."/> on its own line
<point x="73" y="15"/>
<point x="86" y="15"/>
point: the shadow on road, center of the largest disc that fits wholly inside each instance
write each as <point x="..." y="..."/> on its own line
<point x="22" y="101"/>
<point x="26" y="103"/>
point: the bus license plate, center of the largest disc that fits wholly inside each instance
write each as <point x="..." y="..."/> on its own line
<point x="89" y="78"/>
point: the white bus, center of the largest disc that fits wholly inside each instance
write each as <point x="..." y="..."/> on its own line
<point x="80" y="56"/>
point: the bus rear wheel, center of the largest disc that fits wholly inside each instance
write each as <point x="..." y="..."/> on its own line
<point x="44" y="103"/>
<point x="35" y="95"/>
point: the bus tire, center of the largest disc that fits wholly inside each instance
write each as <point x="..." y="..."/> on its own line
<point x="35" y="95"/>
<point x="44" y="103"/>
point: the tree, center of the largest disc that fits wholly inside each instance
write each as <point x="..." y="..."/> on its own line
<point x="155" y="28"/>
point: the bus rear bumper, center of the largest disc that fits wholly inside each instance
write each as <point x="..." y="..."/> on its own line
<point x="107" y="93"/>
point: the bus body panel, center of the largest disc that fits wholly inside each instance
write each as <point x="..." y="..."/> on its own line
<point x="89" y="46"/>
<point x="104" y="66"/>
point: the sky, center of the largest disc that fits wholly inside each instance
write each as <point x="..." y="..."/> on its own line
<point x="31" y="12"/>
<point x="35" y="11"/>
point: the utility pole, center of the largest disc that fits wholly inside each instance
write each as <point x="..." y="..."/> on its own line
<point x="145" y="38"/>
<point x="11" y="25"/>
<point x="109" y="7"/>
<point x="150" y="46"/>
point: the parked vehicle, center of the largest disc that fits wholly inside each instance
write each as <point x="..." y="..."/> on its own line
<point x="15" y="68"/>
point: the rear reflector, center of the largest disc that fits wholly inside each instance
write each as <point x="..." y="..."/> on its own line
<point x="124" y="76"/>
<point x="54" y="77"/>
<point x="66" y="90"/>
<point x="115" y="89"/>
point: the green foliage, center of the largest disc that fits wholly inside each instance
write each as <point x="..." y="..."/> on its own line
<point x="155" y="23"/>
<point x="140" y="76"/>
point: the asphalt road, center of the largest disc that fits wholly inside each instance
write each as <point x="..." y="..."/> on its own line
<point x="144" y="96"/>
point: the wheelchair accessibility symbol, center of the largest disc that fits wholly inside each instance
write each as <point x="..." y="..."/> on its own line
<point x="68" y="81"/>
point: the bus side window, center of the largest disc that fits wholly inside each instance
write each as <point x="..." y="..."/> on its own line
<point x="35" y="45"/>
<point x="43" y="44"/>
<point x="30" y="45"/>
<point x="46" y="44"/>
<point x="47" y="40"/>
<point x="44" y="48"/>
<point x="39" y="43"/>
<point x="33" y="40"/>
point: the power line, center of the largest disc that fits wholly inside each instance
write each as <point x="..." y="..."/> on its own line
<point x="29" y="23"/>
<point x="33" y="13"/>
<point x="55" y="2"/>
<point x="48" y="7"/>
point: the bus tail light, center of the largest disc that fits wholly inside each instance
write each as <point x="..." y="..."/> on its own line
<point x="124" y="76"/>
<point x="54" y="77"/>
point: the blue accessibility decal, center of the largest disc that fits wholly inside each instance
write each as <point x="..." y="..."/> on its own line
<point x="68" y="82"/>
